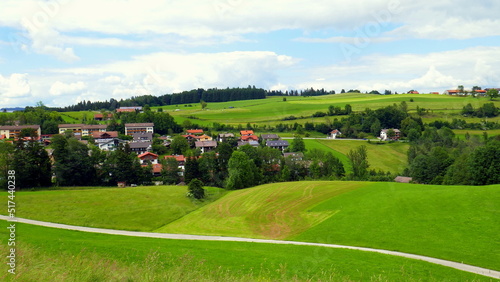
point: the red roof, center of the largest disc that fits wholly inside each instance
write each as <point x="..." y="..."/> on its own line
<point x="2" y="136"/>
<point x="480" y="91"/>
<point x="189" y="136"/>
<point x="335" y="131"/>
<point x="247" y="137"/>
<point x="124" y="110"/>
<point x="111" y="134"/>
<point x="194" y="131"/>
<point x="147" y="153"/>
<point x="179" y="158"/>
<point x="246" y="132"/>
<point x="102" y="116"/>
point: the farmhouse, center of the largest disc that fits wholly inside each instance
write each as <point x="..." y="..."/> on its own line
<point x="104" y="136"/>
<point x="206" y="146"/>
<point x="246" y="132"/>
<point x="131" y="128"/>
<point x="12" y="131"/>
<point x="279" y="144"/>
<point x="333" y="134"/>
<point x="384" y="134"/>
<point x="249" y="137"/>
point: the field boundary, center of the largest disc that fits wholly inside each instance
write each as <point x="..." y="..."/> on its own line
<point x="452" y="264"/>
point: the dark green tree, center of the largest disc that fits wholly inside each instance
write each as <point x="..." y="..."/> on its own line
<point x="73" y="164"/>
<point x="241" y="171"/>
<point x="195" y="189"/>
<point x="170" y="171"/>
<point x="179" y="145"/>
<point x="359" y="160"/>
<point x="297" y="145"/>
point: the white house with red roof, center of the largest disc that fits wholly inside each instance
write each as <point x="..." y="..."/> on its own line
<point x="333" y="134"/>
<point x="148" y="158"/>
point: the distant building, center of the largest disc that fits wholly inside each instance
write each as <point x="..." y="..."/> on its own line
<point x="131" y="128"/>
<point x="206" y="146"/>
<point x="82" y="129"/>
<point x="148" y="158"/>
<point x="251" y="143"/>
<point x="195" y="131"/>
<point x="333" y="134"/>
<point x="12" y="131"/>
<point x="101" y="117"/>
<point x="269" y="137"/>
<point x="128" y="109"/>
<point x="104" y="136"/>
<point x="140" y="147"/>
<point x="295" y="156"/>
<point x="384" y="134"/>
<point x="142" y="137"/>
<point x="279" y="144"/>
<point x="224" y="136"/>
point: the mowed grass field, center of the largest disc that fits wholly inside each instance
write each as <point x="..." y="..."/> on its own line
<point x="385" y="156"/>
<point x="136" y="208"/>
<point x="47" y="254"/>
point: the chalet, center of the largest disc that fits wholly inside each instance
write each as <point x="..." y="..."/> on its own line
<point x="140" y="147"/>
<point x="12" y="131"/>
<point x="206" y="146"/>
<point x="131" y="128"/>
<point x="279" y="144"/>
<point x="101" y="117"/>
<point x="128" y="109"/>
<point x="295" y="156"/>
<point x="148" y="158"/>
<point x="269" y="137"/>
<point x="333" y="134"/>
<point x="142" y="137"/>
<point x="250" y="142"/>
<point x="194" y="131"/>
<point x="223" y="137"/>
<point x="384" y="132"/>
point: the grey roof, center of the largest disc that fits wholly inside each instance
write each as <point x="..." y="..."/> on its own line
<point x="142" y="135"/>
<point x="135" y="145"/>
<point x="251" y="143"/>
<point x="199" y="144"/>
<point x="277" y="143"/>
<point x="269" y="136"/>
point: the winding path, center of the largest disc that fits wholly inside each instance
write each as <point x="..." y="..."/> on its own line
<point x="456" y="265"/>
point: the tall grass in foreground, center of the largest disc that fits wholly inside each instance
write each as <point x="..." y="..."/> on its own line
<point x="35" y="265"/>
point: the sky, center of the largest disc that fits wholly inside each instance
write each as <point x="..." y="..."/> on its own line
<point x="61" y="52"/>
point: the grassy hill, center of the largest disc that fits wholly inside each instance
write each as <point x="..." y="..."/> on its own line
<point x="47" y="254"/>
<point x="138" y="208"/>
<point x="381" y="156"/>
<point x="459" y="223"/>
<point x="273" y="109"/>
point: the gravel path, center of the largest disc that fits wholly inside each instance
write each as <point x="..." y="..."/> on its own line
<point x="460" y="266"/>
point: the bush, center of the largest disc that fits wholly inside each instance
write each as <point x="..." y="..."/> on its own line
<point x="195" y="189"/>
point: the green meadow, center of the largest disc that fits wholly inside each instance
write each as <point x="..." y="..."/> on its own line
<point x="133" y="208"/>
<point x="47" y="254"/>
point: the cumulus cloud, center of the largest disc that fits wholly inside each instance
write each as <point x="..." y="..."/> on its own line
<point x="14" y="86"/>
<point x="60" y="88"/>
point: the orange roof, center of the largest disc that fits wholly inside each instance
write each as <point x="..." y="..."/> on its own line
<point x="202" y="136"/>
<point x="147" y="153"/>
<point x="253" y="137"/>
<point x="246" y="132"/>
<point x="179" y="158"/>
<point x="2" y="136"/>
<point x="156" y="168"/>
<point x="194" y="131"/>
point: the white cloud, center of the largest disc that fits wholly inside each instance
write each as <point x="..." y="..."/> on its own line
<point x="14" y="86"/>
<point x="60" y="88"/>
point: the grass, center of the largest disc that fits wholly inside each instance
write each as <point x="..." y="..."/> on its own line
<point x="139" y="208"/>
<point x="47" y="254"/>
<point x="383" y="156"/>
<point x="272" y="110"/>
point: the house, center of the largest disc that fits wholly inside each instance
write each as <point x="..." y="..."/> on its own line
<point x="278" y="144"/>
<point x="140" y="147"/>
<point x="109" y="144"/>
<point x="246" y="132"/>
<point x="148" y="158"/>
<point x="189" y="137"/>
<point x="223" y="137"/>
<point x="249" y="137"/>
<point x="142" y="137"/>
<point x="384" y="132"/>
<point x="403" y="179"/>
<point x="333" y="134"/>
<point x="269" y="137"/>
<point x="131" y="128"/>
<point x="12" y="131"/>
<point x="250" y="142"/>
<point x="203" y="138"/>
<point x="104" y="136"/>
<point x="195" y="131"/>
<point x="295" y="156"/>
<point x="451" y="92"/>
<point x="101" y="117"/>
<point x="128" y="109"/>
<point x="206" y="146"/>
<point x="180" y="159"/>
<point x="413" y="92"/>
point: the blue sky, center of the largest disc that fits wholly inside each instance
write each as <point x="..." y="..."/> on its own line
<point x="61" y="52"/>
